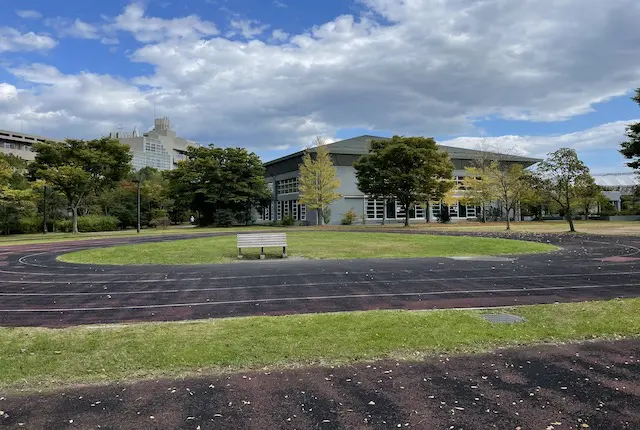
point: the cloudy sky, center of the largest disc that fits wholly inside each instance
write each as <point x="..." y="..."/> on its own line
<point x="270" y="75"/>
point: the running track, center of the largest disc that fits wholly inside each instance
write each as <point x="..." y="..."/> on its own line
<point x="36" y="290"/>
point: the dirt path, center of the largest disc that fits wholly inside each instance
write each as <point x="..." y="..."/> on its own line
<point x="592" y="385"/>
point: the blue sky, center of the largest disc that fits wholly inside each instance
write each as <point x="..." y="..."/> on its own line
<point x="272" y="75"/>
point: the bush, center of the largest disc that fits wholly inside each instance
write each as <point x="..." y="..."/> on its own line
<point x="89" y="223"/>
<point x="92" y="223"/>
<point x="30" y="225"/>
<point x="224" y="218"/>
<point x="349" y="217"/>
<point x="444" y="214"/>
<point x="160" y="222"/>
<point x="287" y="221"/>
<point x="326" y="216"/>
<point x="62" y="226"/>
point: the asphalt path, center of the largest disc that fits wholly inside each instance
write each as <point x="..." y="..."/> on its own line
<point x="37" y="290"/>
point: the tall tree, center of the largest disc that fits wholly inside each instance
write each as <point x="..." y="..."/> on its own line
<point x="318" y="180"/>
<point x="508" y="183"/>
<point x="410" y="169"/>
<point x="631" y="147"/>
<point x="78" y="168"/>
<point x="477" y="191"/>
<point x="219" y="183"/>
<point x="556" y="179"/>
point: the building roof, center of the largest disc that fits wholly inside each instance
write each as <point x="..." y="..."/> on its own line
<point x="617" y="179"/>
<point x="360" y="145"/>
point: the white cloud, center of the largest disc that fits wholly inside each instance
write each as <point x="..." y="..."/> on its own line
<point x="28" y="14"/>
<point x="280" y="4"/>
<point x="13" y="40"/>
<point x="423" y="67"/>
<point x="279" y="35"/>
<point x="602" y="139"/>
<point x="248" y="28"/>
<point x="73" y="28"/>
<point x="150" y="29"/>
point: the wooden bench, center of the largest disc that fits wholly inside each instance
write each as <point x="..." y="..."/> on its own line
<point x="262" y="240"/>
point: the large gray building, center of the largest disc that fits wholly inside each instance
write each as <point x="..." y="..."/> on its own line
<point x="282" y="178"/>
<point x="20" y="144"/>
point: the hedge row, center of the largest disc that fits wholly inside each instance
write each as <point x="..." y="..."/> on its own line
<point x="89" y="223"/>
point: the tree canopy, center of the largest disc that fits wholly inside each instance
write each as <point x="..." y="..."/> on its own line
<point x="79" y="168"/>
<point x="318" y="181"/>
<point x="631" y="147"/>
<point x="408" y="169"/>
<point x="219" y="184"/>
<point x="559" y="178"/>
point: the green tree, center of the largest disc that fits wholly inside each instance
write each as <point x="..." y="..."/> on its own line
<point x="79" y="168"/>
<point x="17" y="197"/>
<point x="410" y="169"/>
<point x="556" y="179"/>
<point x="318" y="181"/>
<point x="587" y="194"/>
<point x="631" y="147"/>
<point x="477" y="191"/>
<point x="508" y="184"/>
<point x="218" y="183"/>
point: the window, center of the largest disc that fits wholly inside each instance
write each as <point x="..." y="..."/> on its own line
<point x="375" y="209"/>
<point x="435" y="207"/>
<point x="266" y="213"/>
<point x="420" y="211"/>
<point x="460" y="182"/>
<point x="303" y="212"/>
<point x="279" y="210"/>
<point x="286" y="208"/>
<point x="288" y="186"/>
<point x="453" y="210"/>
<point x="294" y="207"/>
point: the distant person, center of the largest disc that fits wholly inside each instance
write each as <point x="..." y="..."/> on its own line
<point x="192" y="219"/>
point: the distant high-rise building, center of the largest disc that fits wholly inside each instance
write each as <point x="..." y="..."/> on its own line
<point x="160" y="148"/>
<point x="20" y="144"/>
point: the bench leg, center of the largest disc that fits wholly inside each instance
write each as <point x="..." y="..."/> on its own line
<point x="239" y="252"/>
<point x="284" y="252"/>
<point x="262" y="257"/>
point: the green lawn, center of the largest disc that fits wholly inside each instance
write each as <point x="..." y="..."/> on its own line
<point x="37" y="358"/>
<point x="26" y="239"/>
<point x="313" y="244"/>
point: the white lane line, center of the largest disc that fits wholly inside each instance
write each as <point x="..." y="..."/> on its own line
<point x="337" y="281"/>
<point x="309" y="298"/>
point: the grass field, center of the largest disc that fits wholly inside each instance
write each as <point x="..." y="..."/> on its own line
<point x="35" y="358"/>
<point x="311" y="244"/>
<point x="593" y="227"/>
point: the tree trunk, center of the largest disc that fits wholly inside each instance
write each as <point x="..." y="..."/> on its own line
<point x="484" y="213"/>
<point x="319" y="216"/>
<point x="406" y="215"/>
<point x="384" y="212"/>
<point x="508" y="219"/>
<point x="74" y="211"/>
<point x="571" y="226"/>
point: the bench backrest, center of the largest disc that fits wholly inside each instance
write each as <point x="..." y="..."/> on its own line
<point x="258" y="240"/>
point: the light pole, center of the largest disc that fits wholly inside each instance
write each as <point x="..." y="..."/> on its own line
<point x="44" y="210"/>
<point x="139" y="192"/>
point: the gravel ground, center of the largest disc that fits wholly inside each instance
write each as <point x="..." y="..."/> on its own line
<point x="592" y="385"/>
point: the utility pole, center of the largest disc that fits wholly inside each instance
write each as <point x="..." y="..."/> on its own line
<point x="44" y="207"/>
<point x="139" y="192"/>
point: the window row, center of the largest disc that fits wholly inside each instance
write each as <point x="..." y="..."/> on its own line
<point x="288" y="186"/>
<point x="285" y="209"/>
<point x="376" y="210"/>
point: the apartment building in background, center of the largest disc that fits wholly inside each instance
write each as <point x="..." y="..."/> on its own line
<point x="20" y="144"/>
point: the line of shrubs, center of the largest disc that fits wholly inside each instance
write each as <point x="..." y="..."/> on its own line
<point x="86" y="224"/>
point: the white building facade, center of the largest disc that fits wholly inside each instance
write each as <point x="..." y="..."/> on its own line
<point x="160" y="148"/>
